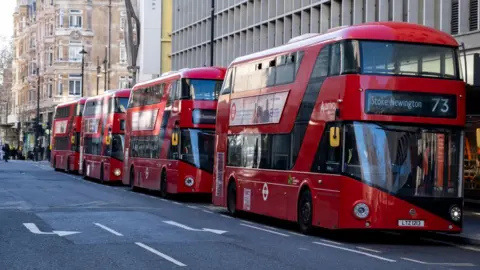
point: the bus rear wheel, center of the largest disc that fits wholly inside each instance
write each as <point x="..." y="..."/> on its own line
<point x="132" y="179"/>
<point x="102" y="176"/>
<point x="232" y="198"/>
<point x="163" y="185"/>
<point x="305" y="212"/>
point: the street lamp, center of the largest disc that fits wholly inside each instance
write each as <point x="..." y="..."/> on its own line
<point x="82" y="52"/>
<point x="37" y="120"/>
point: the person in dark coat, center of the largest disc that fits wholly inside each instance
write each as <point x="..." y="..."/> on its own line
<point x="6" y="151"/>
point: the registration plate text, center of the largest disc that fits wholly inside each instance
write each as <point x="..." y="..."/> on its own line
<point x="411" y="223"/>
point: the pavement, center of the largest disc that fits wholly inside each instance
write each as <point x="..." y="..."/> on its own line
<point x="53" y="220"/>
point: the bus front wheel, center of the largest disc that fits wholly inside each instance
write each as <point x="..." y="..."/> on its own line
<point x="232" y="198"/>
<point x="132" y="179"/>
<point x="305" y="212"/>
<point x="163" y="185"/>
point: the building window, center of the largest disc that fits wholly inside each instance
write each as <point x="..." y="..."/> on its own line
<point x="123" y="82"/>
<point x="123" y="53"/>
<point x="60" y="86"/>
<point x="75" y="19"/>
<point x="74" y="50"/>
<point x="60" y="52"/>
<point x="50" y="58"/>
<point x="123" y="22"/>
<point x="50" y="90"/>
<point x="51" y="29"/>
<point x="74" y="85"/>
<point x="60" y="18"/>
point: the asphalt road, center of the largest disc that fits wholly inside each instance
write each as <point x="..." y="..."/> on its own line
<point x="52" y="220"/>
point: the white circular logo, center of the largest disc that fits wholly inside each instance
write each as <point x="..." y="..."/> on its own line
<point x="265" y="192"/>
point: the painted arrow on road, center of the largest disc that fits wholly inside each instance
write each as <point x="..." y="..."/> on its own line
<point x="34" y="229"/>
<point x="192" y="229"/>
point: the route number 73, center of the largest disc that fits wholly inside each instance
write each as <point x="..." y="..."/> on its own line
<point x="442" y="104"/>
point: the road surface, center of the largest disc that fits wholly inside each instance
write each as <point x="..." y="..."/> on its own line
<point x="52" y="220"/>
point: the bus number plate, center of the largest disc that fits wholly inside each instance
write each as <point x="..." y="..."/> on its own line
<point x="411" y="223"/>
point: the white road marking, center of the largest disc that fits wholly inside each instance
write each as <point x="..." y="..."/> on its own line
<point x="445" y="264"/>
<point x="192" y="229"/>
<point x="297" y="234"/>
<point x="191" y="206"/>
<point x="156" y="252"/>
<point x="34" y="229"/>
<point x="265" y="230"/>
<point x="451" y="244"/>
<point x="108" y="229"/>
<point x="369" y="249"/>
<point x="249" y="222"/>
<point x="271" y="228"/>
<point x="177" y="203"/>
<point x="225" y="216"/>
<point x="206" y="211"/>
<point x="332" y="242"/>
<point x="356" y="251"/>
<point x="164" y="200"/>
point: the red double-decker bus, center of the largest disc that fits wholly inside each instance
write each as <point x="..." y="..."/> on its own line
<point x="103" y="134"/>
<point x="170" y="131"/>
<point x="360" y="127"/>
<point x="65" y="139"/>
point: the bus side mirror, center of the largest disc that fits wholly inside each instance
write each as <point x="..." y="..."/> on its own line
<point x="72" y="140"/>
<point x="334" y="137"/>
<point x="107" y="140"/>
<point x="478" y="137"/>
<point x="175" y="139"/>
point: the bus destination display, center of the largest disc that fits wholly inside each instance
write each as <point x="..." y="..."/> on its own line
<point x="410" y="104"/>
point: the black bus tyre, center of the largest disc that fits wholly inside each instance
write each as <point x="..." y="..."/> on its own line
<point x="55" y="164"/>
<point x="84" y="170"/>
<point x="305" y="212"/>
<point x="102" y="181"/>
<point x="232" y="198"/>
<point x="132" y="179"/>
<point x="163" y="185"/>
<point x="67" y="168"/>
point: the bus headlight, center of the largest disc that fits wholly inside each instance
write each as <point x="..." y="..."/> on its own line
<point x="455" y="213"/>
<point x="117" y="172"/>
<point x="361" y="210"/>
<point x="189" y="181"/>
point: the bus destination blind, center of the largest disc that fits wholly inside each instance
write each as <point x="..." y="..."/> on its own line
<point x="410" y="104"/>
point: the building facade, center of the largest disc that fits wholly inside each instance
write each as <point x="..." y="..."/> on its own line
<point x="154" y="45"/>
<point x="49" y="38"/>
<point x="246" y="26"/>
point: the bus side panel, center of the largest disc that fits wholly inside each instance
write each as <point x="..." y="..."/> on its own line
<point x="326" y="196"/>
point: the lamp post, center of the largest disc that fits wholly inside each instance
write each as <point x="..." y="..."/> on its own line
<point x="37" y="120"/>
<point x="82" y="52"/>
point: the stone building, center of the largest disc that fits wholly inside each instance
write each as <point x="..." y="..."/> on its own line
<point x="49" y="36"/>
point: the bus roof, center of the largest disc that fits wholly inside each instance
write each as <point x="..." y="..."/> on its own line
<point x="113" y="93"/>
<point x="388" y="31"/>
<point x="75" y="101"/>
<point x="190" y="73"/>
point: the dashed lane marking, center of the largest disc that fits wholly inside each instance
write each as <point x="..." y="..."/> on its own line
<point x="177" y="203"/>
<point x="265" y="230"/>
<point x="332" y="242"/>
<point x="206" y="211"/>
<point x="444" y="264"/>
<point x="356" y="251"/>
<point x="451" y="244"/>
<point x="226" y="216"/>
<point x="192" y="207"/>
<point x="156" y="252"/>
<point x="369" y="249"/>
<point x="108" y="229"/>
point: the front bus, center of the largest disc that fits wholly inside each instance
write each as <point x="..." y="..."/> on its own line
<point x="367" y="133"/>
<point x="399" y="150"/>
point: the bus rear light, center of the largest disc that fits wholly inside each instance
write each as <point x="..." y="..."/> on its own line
<point x="455" y="213"/>
<point x="189" y="182"/>
<point x="117" y="172"/>
<point x="361" y="210"/>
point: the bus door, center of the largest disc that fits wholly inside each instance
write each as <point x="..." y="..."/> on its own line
<point x="174" y="156"/>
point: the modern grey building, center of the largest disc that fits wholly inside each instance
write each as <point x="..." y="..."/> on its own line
<point x="246" y="26"/>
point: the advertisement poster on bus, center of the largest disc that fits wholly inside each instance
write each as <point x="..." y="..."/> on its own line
<point x="61" y="127"/>
<point x="144" y="120"/>
<point x="262" y="109"/>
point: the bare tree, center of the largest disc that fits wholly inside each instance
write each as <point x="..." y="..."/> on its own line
<point x="132" y="39"/>
<point x="6" y="58"/>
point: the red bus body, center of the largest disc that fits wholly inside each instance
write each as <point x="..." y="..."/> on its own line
<point x="67" y="125"/>
<point x="356" y="128"/>
<point x="182" y="104"/>
<point x="103" y="136"/>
